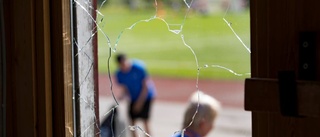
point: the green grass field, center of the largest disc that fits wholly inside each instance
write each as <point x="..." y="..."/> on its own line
<point x="165" y="53"/>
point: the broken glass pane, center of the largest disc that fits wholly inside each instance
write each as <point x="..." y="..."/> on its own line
<point x="187" y="45"/>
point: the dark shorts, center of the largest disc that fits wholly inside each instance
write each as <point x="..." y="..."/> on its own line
<point x="143" y="114"/>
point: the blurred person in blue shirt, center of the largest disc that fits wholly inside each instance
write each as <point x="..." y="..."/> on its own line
<point x="135" y="82"/>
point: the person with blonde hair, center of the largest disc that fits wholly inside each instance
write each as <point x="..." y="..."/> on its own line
<point x="200" y="115"/>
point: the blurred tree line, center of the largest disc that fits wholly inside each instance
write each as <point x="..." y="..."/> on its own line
<point x="201" y="6"/>
<point x="146" y="3"/>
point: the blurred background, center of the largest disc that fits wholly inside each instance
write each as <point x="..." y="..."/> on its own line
<point x="186" y="46"/>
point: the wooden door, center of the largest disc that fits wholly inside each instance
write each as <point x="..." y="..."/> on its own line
<point x="38" y="79"/>
<point x="284" y="40"/>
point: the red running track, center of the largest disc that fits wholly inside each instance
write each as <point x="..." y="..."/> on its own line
<point x="229" y="93"/>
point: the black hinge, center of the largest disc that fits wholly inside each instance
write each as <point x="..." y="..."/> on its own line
<point x="307" y="56"/>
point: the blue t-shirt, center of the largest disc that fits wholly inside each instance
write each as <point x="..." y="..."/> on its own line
<point x="132" y="80"/>
<point x="187" y="133"/>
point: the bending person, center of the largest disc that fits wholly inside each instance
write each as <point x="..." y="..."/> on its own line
<point x="135" y="82"/>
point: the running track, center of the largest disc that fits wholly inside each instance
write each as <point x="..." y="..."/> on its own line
<point x="229" y="93"/>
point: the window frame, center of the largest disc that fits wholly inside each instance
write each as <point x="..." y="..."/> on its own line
<point x="38" y="66"/>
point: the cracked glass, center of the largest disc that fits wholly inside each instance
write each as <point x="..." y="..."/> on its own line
<point x="186" y="46"/>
